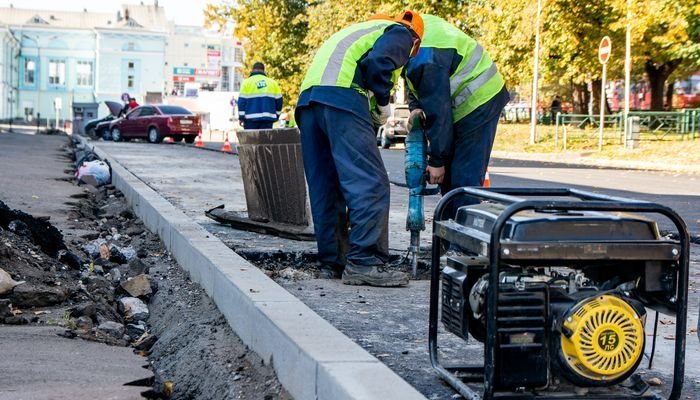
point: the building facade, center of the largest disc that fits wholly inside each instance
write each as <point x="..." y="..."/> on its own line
<point x="203" y="59"/>
<point x="83" y="57"/>
<point x="50" y="60"/>
<point x="9" y="72"/>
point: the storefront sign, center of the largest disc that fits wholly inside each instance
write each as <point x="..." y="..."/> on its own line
<point x="177" y="78"/>
<point x="207" y="72"/>
<point x="183" y="71"/>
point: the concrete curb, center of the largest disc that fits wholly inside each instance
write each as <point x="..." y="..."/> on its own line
<point x="312" y="359"/>
<point x="579" y="160"/>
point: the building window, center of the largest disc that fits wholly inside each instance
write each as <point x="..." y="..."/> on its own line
<point x="179" y="87"/>
<point x="130" y="65"/>
<point x="130" y="46"/>
<point x="83" y="72"/>
<point x="29" y="71"/>
<point x="238" y="55"/>
<point x="57" y="72"/>
<point x="187" y="45"/>
<point x="130" y="82"/>
<point x="225" y="79"/>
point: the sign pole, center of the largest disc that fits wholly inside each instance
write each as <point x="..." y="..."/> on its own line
<point x="602" y="108"/>
<point x="535" y="78"/>
<point x="604" y="51"/>
<point x="628" y="63"/>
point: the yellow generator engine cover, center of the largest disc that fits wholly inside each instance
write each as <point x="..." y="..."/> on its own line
<point x="604" y="338"/>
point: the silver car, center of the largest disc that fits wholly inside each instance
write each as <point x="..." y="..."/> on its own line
<point x="395" y="129"/>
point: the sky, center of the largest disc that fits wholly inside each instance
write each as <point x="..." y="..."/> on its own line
<point x="184" y="12"/>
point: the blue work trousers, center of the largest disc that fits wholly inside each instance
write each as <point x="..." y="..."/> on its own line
<point x="347" y="181"/>
<point x="473" y="142"/>
<point x="257" y="124"/>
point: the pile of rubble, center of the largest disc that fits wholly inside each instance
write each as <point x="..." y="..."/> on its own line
<point x="98" y="288"/>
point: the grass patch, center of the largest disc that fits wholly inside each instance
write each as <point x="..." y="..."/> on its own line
<point x="671" y="150"/>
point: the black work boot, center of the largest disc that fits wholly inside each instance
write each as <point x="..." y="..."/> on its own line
<point x="373" y="275"/>
<point x="330" y="271"/>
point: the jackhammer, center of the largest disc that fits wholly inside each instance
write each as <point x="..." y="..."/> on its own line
<point x="416" y="180"/>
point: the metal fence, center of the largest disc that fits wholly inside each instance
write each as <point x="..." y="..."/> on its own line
<point x="653" y="125"/>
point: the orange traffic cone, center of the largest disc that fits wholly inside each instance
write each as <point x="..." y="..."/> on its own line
<point x="198" y="142"/>
<point x="227" y="146"/>
<point x="487" y="180"/>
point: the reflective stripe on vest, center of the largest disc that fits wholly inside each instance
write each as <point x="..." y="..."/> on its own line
<point x="474" y="85"/>
<point x="476" y="71"/>
<point x="258" y="95"/>
<point x="461" y="75"/>
<point x="336" y="60"/>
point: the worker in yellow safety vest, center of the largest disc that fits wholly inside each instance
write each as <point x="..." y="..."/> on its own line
<point x="260" y="100"/>
<point x="455" y="87"/>
<point x="344" y="99"/>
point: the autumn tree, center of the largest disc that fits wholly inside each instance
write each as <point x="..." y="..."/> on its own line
<point x="273" y="33"/>
<point x="666" y="39"/>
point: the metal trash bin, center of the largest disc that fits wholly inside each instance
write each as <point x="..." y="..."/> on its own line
<point x="273" y="176"/>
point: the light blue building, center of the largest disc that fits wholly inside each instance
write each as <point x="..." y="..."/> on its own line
<point x="9" y="75"/>
<point x="85" y="57"/>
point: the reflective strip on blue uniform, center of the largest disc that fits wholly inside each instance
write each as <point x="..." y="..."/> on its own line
<point x="260" y="99"/>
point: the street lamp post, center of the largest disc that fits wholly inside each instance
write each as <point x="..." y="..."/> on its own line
<point x="628" y="63"/>
<point x="535" y="77"/>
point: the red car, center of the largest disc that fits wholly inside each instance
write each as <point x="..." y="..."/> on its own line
<point x="153" y="122"/>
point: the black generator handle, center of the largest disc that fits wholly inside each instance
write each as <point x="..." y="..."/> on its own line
<point x="588" y="201"/>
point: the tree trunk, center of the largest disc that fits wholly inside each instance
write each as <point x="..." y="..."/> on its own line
<point x="669" y="96"/>
<point x="657" y="75"/>
<point x="581" y="98"/>
<point x="596" y="96"/>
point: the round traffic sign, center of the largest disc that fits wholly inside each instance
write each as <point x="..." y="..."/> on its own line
<point x="604" y="50"/>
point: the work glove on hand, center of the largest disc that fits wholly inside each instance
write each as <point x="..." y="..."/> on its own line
<point x="380" y="114"/>
<point x="416" y="113"/>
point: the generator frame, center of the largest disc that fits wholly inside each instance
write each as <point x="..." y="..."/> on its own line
<point x="448" y="231"/>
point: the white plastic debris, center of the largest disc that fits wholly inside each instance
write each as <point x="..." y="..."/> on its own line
<point x="6" y="282"/>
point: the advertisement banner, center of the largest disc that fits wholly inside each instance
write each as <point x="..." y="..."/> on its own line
<point x="183" y="71"/>
<point x="212" y="72"/>
<point x="177" y="78"/>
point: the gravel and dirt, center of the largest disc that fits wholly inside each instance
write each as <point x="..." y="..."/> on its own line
<point x="84" y="272"/>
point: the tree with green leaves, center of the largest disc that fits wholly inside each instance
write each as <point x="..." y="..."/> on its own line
<point x="273" y="32"/>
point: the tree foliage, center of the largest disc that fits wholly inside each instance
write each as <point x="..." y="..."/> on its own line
<point x="666" y="34"/>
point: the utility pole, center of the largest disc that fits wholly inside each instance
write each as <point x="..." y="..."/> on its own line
<point x="535" y="78"/>
<point x="628" y="63"/>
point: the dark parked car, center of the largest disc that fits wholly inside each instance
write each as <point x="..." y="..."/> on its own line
<point x="154" y="122"/>
<point x="99" y="127"/>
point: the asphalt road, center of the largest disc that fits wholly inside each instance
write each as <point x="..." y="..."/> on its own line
<point x="680" y="192"/>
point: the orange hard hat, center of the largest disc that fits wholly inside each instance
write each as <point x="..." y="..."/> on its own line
<point x="413" y="21"/>
<point x="380" y="16"/>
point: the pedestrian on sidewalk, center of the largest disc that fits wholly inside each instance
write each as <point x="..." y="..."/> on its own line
<point x="260" y="100"/>
<point x="555" y="108"/>
<point x="344" y="99"/>
<point x="456" y="89"/>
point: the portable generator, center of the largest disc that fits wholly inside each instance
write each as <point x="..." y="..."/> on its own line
<point x="556" y="284"/>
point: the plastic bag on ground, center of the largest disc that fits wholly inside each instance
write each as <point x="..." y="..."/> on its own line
<point x="95" y="173"/>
